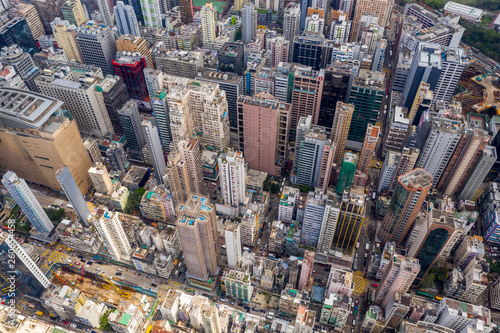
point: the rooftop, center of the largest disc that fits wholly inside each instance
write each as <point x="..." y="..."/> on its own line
<point x="418" y="179"/>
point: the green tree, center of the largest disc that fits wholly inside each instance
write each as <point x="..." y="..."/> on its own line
<point x="441" y="274"/>
<point x="55" y="215"/>
<point x="134" y="200"/>
<point x="275" y="188"/>
<point x="428" y="281"/>
<point x="104" y="322"/>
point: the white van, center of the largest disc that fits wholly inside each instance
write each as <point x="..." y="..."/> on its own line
<point x="119" y="270"/>
<point x="98" y="269"/>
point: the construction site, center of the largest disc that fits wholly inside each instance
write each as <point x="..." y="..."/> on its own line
<point x="99" y="287"/>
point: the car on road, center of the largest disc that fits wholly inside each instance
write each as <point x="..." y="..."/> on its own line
<point x="77" y="263"/>
<point x="65" y="322"/>
<point x="153" y="284"/>
<point x="60" y="250"/>
<point x="119" y="274"/>
<point x="262" y="310"/>
<point x="374" y="285"/>
<point x="357" y="301"/>
<point x="315" y="272"/>
<point x="255" y="309"/>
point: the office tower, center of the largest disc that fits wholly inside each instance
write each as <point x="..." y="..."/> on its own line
<point x="441" y="142"/>
<point x="467" y="153"/>
<point x="304" y="4"/>
<point x="115" y="95"/>
<point x="347" y="171"/>
<point x="125" y="19"/>
<point x="379" y="56"/>
<point x="106" y="13"/>
<point x="306" y="96"/>
<point x="289" y="201"/>
<point x="162" y="116"/>
<point x="97" y="46"/>
<point x="340" y="129"/>
<point x="264" y="132"/>
<point x="397" y="279"/>
<point x="100" y="179"/>
<point x="310" y="50"/>
<point x="422" y="101"/>
<point x="309" y="152"/>
<point x="248" y="23"/>
<point x="131" y="124"/>
<point x="232" y="172"/>
<point x="176" y="176"/>
<point x="109" y="227"/>
<point x="129" y="68"/>
<point x="405" y="204"/>
<point x="334" y="90"/>
<point x="198" y="236"/>
<point x="481" y="169"/>
<point x="369" y="146"/>
<point x="22" y="63"/>
<point x="133" y="44"/>
<point x="29" y="13"/>
<point x="313" y="217"/>
<point x="29" y="276"/>
<point x="28" y="203"/>
<point x="65" y="35"/>
<point x="154" y="146"/>
<point x="191" y="154"/>
<point x="117" y="157"/>
<point x="186" y="10"/>
<point x="453" y="65"/>
<point x="233" y="86"/>
<point x="340" y="29"/>
<point x="48" y="10"/>
<point x="306" y="269"/>
<point x="406" y="164"/>
<point x="380" y="8"/>
<point x="65" y="83"/>
<point x="73" y="194"/>
<point x="291" y="22"/>
<point x="232" y="236"/>
<point x="231" y="59"/>
<point x="72" y="12"/>
<point x="208" y="15"/>
<point x="388" y="170"/>
<point x="40" y="140"/>
<point x="366" y="94"/>
<point x="304" y="322"/>
<point x="152" y="15"/>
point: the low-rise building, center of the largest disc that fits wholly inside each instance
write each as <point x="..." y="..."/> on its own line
<point x="288" y="204"/>
<point x="78" y="238"/>
<point x="144" y="260"/>
<point x="335" y="310"/>
<point x="291" y="299"/>
<point x="238" y="285"/>
<point x="136" y="177"/>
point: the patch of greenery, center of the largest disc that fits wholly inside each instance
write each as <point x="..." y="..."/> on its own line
<point x="134" y="200"/>
<point x="440" y="274"/>
<point x="494" y="266"/>
<point x="104" y="322"/>
<point x="271" y="186"/>
<point x="428" y="281"/>
<point x="482" y="38"/>
<point x="55" y="215"/>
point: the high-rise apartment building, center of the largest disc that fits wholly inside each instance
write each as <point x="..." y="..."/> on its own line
<point x="347" y="171"/>
<point x="72" y="11"/>
<point x="65" y="35"/>
<point x="248" y="23"/>
<point x="115" y="95"/>
<point x="106" y="13"/>
<point x="93" y="150"/>
<point x="29" y="276"/>
<point x="162" y="116"/>
<point x="134" y="44"/>
<point x="130" y="69"/>
<point x="32" y="19"/>
<point x="22" y="63"/>
<point x="232" y="173"/>
<point x="117" y="158"/>
<point x="208" y="14"/>
<point x="441" y="142"/>
<point x="125" y="19"/>
<point x="366" y="94"/>
<point x="289" y="201"/>
<point x="152" y="14"/>
<point x="132" y="129"/>
<point x="341" y="29"/>
<point x="405" y="204"/>
<point x="30" y="206"/>
<point x="39" y="140"/>
<point x="186" y="10"/>
<point x="454" y="61"/>
<point x="340" y="129"/>
<point x="380" y="8"/>
<point x="481" y="169"/>
<point x="110" y="228"/>
<point x="306" y="96"/>
<point x="190" y="153"/>
<point x="232" y="236"/>
<point x="369" y="146"/>
<point x="72" y="83"/>
<point x="406" y="164"/>
<point x="467" y="153"/>
<point x="176" y="176"/>
<point x="330" y="218"/>
<point x="100" y="179"/>
<point x="48" y="10"/>
<point x="73" y="194"/>
<point x="155" y="151"/>
<point x="197" y="228"/>
<point x="291" y="22"/>
<point x="313" y="217"/>
<point x="397" y="279"/>
<point x="264" y="132"/>
<point x="97" y="46"/>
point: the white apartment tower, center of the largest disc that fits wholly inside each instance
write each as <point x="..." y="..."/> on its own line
<point x="249" y="23"/>
<point x="106" y="14"/>
<point x="232" y="173"/>
<point x="232" y="235"/>
<point x="100" y="178"/>
<point x="151" y="13"/>
<point x="109" y="227"/>
<point x="155" y="151"/>
<point x="208" y="25"/>
<point x="125" y="19"/>
<point x="190" y="153"/>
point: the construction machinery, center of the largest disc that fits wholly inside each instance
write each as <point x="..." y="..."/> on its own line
<point x="119" y="290"/>
<point x="480" y="77"/>
<point x="64" y="282"/>
<point x="103" y="285"/>
<point x="80" y="279"/>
